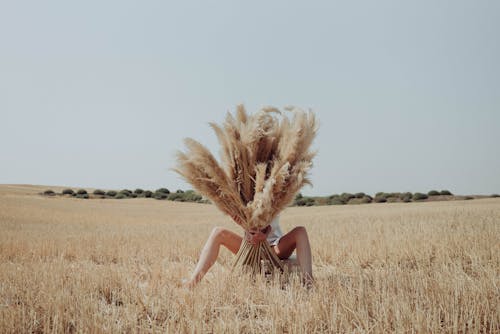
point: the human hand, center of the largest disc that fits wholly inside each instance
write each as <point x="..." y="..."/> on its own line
<point x="254" y="236"/>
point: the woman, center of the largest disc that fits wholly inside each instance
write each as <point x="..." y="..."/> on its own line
<point x="283" y="245"/>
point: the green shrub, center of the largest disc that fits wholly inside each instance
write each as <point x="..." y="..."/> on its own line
<point x="433" y="193"/>
<point x="468" y="198"/>
<point x="163" y="190"/>
<point x="380" y="197"/>
<point x="419" y="196"/>
<point x="196" y="198"/>
<point x="148" y="194"/>
<point x="133" y="195"/>
<point x="178" y="197"/>
<point x="305" y="201"/>
<point x="83" y="196"/>
<point x="138" y="191"/>
<point x="160" y="195"/>
<point x="99" y="192"/>
<point x="298" y="196"/>
<point x="299" y="202"/>
<point x="359" y="195"/>
<point x="68" y="192"/>
<point x="406" y="197"/>
<point x="362" y="200"/>
<point x="179" y="191"/>
<point x="446" y="192"/>
<point x="111" y="193"/>
<point x="126" y="192"/>
<point x="49" y="192"/>
<point x="335" y="200"/>
<point x="191" y="196"/>
<point x="495" y="195"/>
<point x="81" y="192"/>
<point x="345" y="197"/>
<point x="121" y="195"/>
<point x="402" y="196"/>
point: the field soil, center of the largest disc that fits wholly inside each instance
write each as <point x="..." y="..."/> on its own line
<point x="103" y="265"/>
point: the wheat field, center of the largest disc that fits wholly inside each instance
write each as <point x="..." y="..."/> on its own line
<point x="74" y="265"/>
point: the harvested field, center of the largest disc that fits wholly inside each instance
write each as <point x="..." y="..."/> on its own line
<point x="76" y="265"/>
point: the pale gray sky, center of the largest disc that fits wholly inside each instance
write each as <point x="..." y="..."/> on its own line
<point x="101" y="93"/>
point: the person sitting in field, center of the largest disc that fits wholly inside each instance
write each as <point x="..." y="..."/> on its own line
<point x="283" y="245"/>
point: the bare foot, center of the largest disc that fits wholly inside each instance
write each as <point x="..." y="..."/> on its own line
<point x="188" y="283"/>
<point x="308" y="282"/>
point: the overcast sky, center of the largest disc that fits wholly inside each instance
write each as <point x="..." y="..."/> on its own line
<point x="101" y="93"/>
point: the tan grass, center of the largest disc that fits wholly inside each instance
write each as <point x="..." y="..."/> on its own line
<point x="70" y="265"/>
<point x="265" y="160"/>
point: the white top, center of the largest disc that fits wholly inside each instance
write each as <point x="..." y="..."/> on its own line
<point x="275" y="235"/>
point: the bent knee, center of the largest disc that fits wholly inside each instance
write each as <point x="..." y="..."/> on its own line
<point x="300" y="230"/>
<point x="219" y="233"/>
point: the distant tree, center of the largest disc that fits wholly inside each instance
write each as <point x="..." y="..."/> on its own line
<point x="111" y="193"/>
<point x="406" y="197"/>
<point x="160" y="195"/>
<point x="419" y="196"/>
<point x="305" y="201"/>
<point x="163" y="190"/>
<point x="380" y="199"/>
<point x="363" y="200"/>
<point x="335" y="200"/>
<point x="345" y="197"/>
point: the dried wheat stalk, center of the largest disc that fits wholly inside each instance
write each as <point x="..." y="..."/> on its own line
<point x="265" y="161"/>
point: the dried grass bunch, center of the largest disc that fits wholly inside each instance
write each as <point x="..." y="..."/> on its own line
<point x="265" y="161"/>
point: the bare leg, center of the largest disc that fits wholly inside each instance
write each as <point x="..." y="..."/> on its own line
<point x="297" y="239"/>
<point x="218" y="237"/>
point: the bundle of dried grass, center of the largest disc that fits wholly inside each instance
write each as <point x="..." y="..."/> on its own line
<point x="266" y="158"/>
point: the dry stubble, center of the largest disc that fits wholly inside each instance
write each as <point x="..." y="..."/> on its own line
<point x="114" y="265"/>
